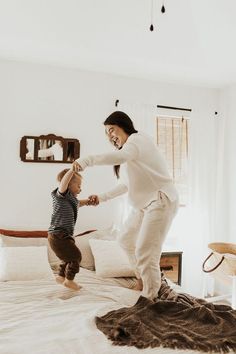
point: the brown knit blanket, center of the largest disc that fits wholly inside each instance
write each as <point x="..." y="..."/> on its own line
<point x="173" y="320"/>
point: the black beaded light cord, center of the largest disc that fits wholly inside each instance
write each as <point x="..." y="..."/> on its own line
<point x="163" y="10"/>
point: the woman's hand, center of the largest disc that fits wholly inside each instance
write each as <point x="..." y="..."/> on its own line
<point x="76" y="166"/>
<point x="93" y="200"/>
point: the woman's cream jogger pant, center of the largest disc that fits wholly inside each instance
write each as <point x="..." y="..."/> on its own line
<point x="144" y="233"/>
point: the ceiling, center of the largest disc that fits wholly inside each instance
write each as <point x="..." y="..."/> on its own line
<point x="194" y="42"/>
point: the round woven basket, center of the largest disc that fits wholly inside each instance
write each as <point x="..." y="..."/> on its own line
<point x="222" y="258"/>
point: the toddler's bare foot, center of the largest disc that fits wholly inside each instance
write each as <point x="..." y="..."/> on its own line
<point x="72" y="284"/>
<point x="139" y="285"/>
<point x="60" y="279"/>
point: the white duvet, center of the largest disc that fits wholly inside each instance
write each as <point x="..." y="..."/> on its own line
<point x="42" y="317"/>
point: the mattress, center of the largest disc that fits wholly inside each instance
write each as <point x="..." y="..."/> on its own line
<point x="43" y="317"/>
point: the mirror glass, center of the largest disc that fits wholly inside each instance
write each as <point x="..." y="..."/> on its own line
<point x="50" y="150"/>
<point x="29" y="149"/>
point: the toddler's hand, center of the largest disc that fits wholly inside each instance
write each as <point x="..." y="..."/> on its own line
<point x="76" y="166"/>
<point x="93" y="200"/>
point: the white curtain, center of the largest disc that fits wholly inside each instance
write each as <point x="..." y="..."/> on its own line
<point x="203" y="183"/>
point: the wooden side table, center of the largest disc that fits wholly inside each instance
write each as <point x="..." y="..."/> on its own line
<point x="171" y="265"/>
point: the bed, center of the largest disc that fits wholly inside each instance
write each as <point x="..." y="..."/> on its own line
<point x="42" y="317"/>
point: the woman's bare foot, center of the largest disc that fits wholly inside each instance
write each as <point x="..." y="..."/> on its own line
<point x="60" y="279"/>
<point x="72" y="284"/>
<point x="139" y="285"/>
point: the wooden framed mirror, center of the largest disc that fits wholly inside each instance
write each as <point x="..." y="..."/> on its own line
<point x="49" y="148"/>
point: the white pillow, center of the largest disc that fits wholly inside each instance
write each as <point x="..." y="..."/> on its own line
<point x="110" y="259"/>
<point x="24" y="263"/>
<point x="82" y="242"/>
<point x="9" y="241"/>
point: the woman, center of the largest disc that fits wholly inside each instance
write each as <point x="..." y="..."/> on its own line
<point x="150" y="191"/>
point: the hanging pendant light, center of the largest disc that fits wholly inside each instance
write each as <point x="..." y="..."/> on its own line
<point x="151" y="28"/>
<point x="163" y="9"/>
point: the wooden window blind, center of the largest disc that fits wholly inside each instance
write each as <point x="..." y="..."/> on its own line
<point x="172" y="139"/>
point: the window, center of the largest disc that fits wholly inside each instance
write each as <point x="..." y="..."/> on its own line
<point x="172" y="139"/>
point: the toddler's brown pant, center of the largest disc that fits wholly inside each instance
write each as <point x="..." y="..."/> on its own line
<point x="65" y="249"/>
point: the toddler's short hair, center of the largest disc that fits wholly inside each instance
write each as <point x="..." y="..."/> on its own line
<point x="63" y="172"/>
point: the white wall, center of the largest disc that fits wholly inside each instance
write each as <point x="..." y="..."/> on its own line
<point x="40" y="99"/>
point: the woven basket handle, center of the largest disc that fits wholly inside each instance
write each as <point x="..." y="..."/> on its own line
<point x="214" y="268"/>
